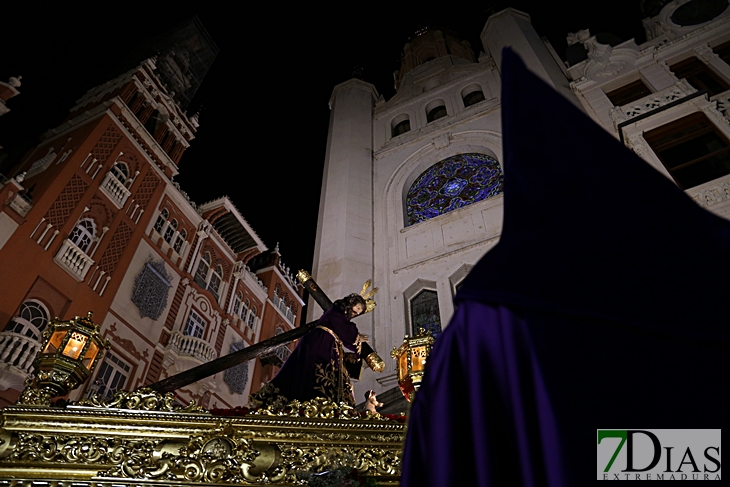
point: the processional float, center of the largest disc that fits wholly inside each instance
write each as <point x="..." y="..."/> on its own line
<point x="144" y="438"/>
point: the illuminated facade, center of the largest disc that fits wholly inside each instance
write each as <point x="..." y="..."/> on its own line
<point x="393" y="204"/>
<point x="93" y="221"/>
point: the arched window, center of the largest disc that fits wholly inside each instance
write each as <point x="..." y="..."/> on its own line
<point x="170" y="231"/>
<point x="237" y="302"/>
<point x="180" y="240"/>
<point x="195" y="326"/>
<point x="400" y="125"/>
<point x="252" y="317"/>
<point x="121" y="172"/>
<point x="31" y="320"/>
<point x="161" y="219"/>
<point x="471" y="95"/>
<point x="452" y="183"/>
<point x="435" y="110"/>
<point x="201" y="274"/>
<point x="83" y="234"/>
<point x="215" y="280"/>
<point x="425" y="312"/>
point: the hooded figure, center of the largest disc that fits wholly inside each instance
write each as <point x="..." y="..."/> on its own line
<point x="603" y="306"/>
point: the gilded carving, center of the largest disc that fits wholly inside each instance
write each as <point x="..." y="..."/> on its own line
<point x="80" y="449"/>
<point x="220" y="456"/>
<point x="301" y="461"/>
<point x="145" y="399"/>
<point x="315" y="408"/>
<point x="317" y="440"/>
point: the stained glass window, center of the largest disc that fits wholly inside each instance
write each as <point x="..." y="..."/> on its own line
<point x="425" y="312"/>
<point x="453" y="183"/>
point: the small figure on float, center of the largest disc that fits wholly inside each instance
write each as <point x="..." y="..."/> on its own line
<point x="371" y="402"/>
<point x="319" y="365"/>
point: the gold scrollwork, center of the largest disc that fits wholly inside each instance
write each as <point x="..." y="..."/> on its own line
<point x="144" y="399"/>
<point x="33" y="396"/>
<point x="301" y="461"/>
<point x="315" y="408"/>
<point x="76" y="449"/>
<point x="220" y="456"/>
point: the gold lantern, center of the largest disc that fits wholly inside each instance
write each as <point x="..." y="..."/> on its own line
<point x="411" y="361"/>
<point x="69" y="355"/>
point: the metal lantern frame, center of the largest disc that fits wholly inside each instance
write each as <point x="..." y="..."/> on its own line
<point x="70" y="353"/>
<point x="411" y="361"/>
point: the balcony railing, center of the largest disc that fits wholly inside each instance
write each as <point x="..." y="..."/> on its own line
<point x="651" y="102"/>
<point x="20" y="203"/>
<point x="18" y="351"/>
<point x="73" y="260"/>
<point x="285" y="310"/>
<point x="115" y="189"/>
<point x="185" y="345"/>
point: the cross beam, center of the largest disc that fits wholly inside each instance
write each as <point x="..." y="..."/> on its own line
<point x="231" y="360"/>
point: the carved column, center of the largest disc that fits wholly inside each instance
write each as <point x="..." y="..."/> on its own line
<point x="202" y="234"/>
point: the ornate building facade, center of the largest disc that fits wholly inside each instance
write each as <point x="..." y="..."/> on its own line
<point x="93" y="221"/>
<point x="411" y="192"/>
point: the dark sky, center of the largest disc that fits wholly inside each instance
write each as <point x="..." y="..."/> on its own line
<point x="265" y="98"/>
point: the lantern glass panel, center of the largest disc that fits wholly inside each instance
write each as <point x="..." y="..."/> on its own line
<point x="90" y="355"/>
<point x="418" y="358"/>
<point x="75" y="345"/>
<point x="55" y="342"/>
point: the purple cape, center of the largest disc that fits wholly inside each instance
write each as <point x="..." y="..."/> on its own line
<point x="313" y="368"/>
<point x="604" y="306"/>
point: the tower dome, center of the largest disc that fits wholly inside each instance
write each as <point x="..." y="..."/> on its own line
<point x="430" y="43"/>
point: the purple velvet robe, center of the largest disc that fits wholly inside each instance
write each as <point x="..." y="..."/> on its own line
<point x="314" y="367"/>
<point x="603" y="306"/>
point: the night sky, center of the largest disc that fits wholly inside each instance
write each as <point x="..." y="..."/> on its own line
<point x="264" y="101"/>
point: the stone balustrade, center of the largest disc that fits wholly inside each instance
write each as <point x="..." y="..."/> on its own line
<point x="185" y="345"/>
<point x="73" y="260"/>
<point x="285" y="310"/>
<point x="115" y="189"/>
<point x="254" y="278"/>
<point x="651" y="102"/>
<point x="18" y="351"/>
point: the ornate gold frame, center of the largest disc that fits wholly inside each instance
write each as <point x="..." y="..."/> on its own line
<point x="141" y="438"/>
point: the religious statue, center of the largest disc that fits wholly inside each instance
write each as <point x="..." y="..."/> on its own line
<point x="316" y="367"/>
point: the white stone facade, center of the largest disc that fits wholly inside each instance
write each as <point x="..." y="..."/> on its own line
<point x="363" y="231"/>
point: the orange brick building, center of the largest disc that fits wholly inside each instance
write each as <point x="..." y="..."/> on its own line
<point x="92" y="220"/>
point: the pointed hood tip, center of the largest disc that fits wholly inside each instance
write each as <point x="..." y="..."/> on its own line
<point x="589" y="227"/>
